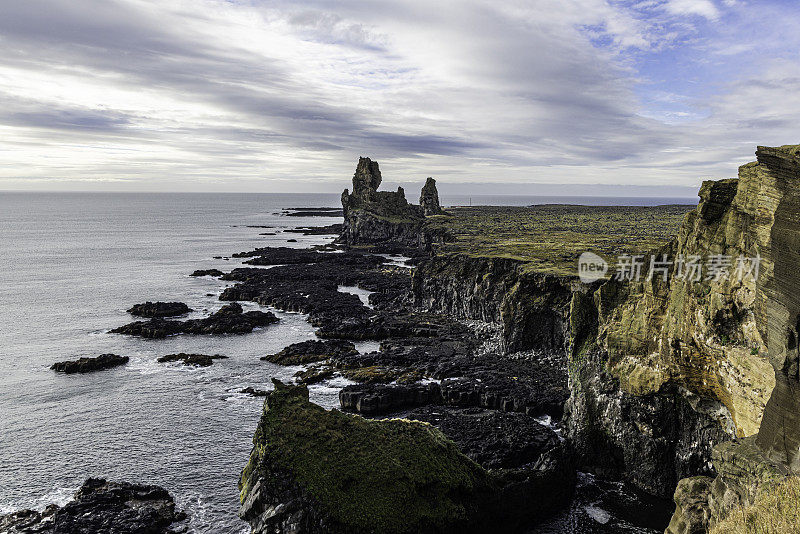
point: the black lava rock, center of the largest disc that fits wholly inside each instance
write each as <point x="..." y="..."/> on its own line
<point x="159" y="309"/>
<point x="101" y="506"/>
<point x="230" y="319"/>
<point x="88" y="365"/>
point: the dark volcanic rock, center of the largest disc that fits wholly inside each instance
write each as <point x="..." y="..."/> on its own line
<point x="254" y="392"/>
<point x="198" y="360"/>
<point x="429" y="199"/>
<point x="331" y="229"/>
<point x="159" y="309"/>
<point x="528" y="461"/>
<point x="493" y="439"/>
<point x="292" y="256"/>
<point x="372" y="216"/>
<point x="88" y="365"/>
<point x="101" y="507"/>
<point x="208" y="272"/>
<point x="319" y="471"/>
<point x="312" y="351"/>
<point x="230" y="319"/>
<point x="314" y="374"/>
<point x="313" y="212"/>
<point x="380" y="399"/>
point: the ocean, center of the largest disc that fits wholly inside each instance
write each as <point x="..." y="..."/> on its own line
<point x="70" y="265"/>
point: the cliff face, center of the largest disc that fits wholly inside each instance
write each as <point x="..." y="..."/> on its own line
<point x="373" y="217"/>
<point x="532" y="307"/>
<point x="764" y="218"/>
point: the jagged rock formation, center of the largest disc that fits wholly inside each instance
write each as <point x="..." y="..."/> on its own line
<point x="101" y="506"/>
<point x="384" y="218"/>
<point x="429" y="199"/>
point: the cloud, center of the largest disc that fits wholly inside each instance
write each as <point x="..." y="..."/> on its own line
<point x="183" y="92"/>
<point x="702" y="8"/>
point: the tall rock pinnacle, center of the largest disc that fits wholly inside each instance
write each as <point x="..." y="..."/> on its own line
<point x="429" y="198"/>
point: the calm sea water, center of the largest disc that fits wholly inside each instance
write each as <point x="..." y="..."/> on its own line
<point x="70" y="265"/>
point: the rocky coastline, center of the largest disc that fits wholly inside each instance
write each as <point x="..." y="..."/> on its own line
<point x="649" y="393"/>
<point x="503" y="388"/>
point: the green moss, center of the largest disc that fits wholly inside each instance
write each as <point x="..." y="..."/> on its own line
<point x="369" y="476"/>
<point x="550" y="238"/>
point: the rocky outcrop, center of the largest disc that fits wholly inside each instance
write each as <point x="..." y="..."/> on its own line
<point x="311" y="351"/>
<point x="230" y="319"/>
<point x="101" y="506"/>
<point x="703" y="346"/>
<point x="381" y="218"/>
<point x="321" y="471"/>
<point x="89" y="365"/>
<point x="429" y="199"/>
<point x="159" y="309"/>
<point x="743" y="474"/>
<point x="196" y="360"/>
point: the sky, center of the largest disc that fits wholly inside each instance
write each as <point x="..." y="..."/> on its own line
<point x="280" y="96"/>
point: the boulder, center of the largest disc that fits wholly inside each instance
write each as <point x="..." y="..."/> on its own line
<point x="159" y="309"/>
<point x="319" y="471"/>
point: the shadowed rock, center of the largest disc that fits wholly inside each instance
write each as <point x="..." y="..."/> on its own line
<point x="429" y="199"/>
<point x="312" y="351"/>
<point x="230" y="319"/>
<point x="88" y="365"/>
<point x="159" y="309"/>
<point x="197" y="360"/>
<point x="101" y="506"/>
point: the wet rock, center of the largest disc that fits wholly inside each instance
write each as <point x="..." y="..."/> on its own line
<point x="229" y="319"/>
<point x="208" y="272"/>
<point x="331" y="229"/>
<point x="197" y="360"/>
<point x="254" y="392"/>
<point x="101" y="506"/>
<point x="311" y="351"/>
<point x="159" y="309"/>
<point x="314" y="375"/>
<point x="89" y="365"/>
<point x="313" y="212"/>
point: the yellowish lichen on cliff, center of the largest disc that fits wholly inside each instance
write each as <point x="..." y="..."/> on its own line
<point x="776" y="510"/>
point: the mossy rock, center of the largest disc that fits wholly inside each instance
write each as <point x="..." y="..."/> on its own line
<point x="358" y="475"/>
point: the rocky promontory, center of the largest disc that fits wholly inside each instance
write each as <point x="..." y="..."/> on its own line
<point x="101" y="506"/>
<point x="313" y="470"/>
